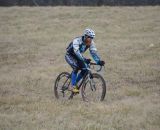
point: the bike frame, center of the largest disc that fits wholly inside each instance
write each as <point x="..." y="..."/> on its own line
<point x="87" y="75"/>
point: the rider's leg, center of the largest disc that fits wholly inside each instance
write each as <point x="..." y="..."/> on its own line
<point x="74" y="64"/>
<point x="74" y="88"/>
<point x="74" y="83"/>
<point x="83" y="71"/>
<point x="74" y="77"/>
<point x="80" y="75"/>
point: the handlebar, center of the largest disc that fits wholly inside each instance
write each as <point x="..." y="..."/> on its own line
<point x="91" y="63"/>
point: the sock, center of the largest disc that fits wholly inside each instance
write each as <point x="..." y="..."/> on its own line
<point x="73" y="77"/>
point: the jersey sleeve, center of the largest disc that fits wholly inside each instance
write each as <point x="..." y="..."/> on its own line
<point x="93" y="52"/>
<point x="76" y="44"/>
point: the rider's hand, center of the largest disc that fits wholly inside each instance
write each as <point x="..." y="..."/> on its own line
<point x="101" y="63"/>
<point x="87" y="61"/>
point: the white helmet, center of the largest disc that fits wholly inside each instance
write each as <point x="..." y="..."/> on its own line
<point x="89" y="32"/>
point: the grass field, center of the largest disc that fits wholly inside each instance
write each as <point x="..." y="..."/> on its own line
<point x="32" y="48"/>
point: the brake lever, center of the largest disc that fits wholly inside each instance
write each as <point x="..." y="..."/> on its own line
<point x="99" y="69"/>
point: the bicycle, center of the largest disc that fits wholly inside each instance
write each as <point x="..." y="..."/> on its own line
<point x="90" y="90"/>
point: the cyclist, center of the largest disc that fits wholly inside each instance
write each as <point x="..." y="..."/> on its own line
<point x="76" y="60"/>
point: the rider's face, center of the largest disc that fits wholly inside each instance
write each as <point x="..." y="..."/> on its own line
<point x="88" y="41"/>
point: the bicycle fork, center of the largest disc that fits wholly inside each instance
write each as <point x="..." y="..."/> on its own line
<point x="91" y="82"/>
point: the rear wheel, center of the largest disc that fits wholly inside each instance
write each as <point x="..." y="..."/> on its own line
<point x="61" y="86"/>
<point x="94" y="89"/>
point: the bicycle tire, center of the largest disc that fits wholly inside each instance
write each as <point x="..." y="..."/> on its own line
<point x="103" y="93"/>
<point x="59" y="77"/>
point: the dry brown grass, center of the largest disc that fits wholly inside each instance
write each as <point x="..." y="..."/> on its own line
<point x="32" y="48"/>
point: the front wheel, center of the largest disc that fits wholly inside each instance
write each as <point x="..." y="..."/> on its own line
<point x="94" y="88"/>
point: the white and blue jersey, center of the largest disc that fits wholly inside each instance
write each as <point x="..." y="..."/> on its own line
<point x="77" y="47"/>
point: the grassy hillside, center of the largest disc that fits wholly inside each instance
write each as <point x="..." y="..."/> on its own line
<point x="32" y="48"/>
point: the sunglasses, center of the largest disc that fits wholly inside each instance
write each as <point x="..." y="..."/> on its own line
<point x="89" y="37"/>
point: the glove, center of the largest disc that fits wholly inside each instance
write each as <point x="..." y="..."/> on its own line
<point x="101" y="63"/>
<point x="87" y="61"/>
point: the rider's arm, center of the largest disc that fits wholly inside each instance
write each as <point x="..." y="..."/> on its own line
<point x="93" y="52"/>
<point x="76" y="44"/>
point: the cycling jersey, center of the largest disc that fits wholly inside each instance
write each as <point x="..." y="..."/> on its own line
<point x="77" y="47"/>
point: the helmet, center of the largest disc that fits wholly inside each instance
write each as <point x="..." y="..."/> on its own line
<point x="89" y="32"/>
